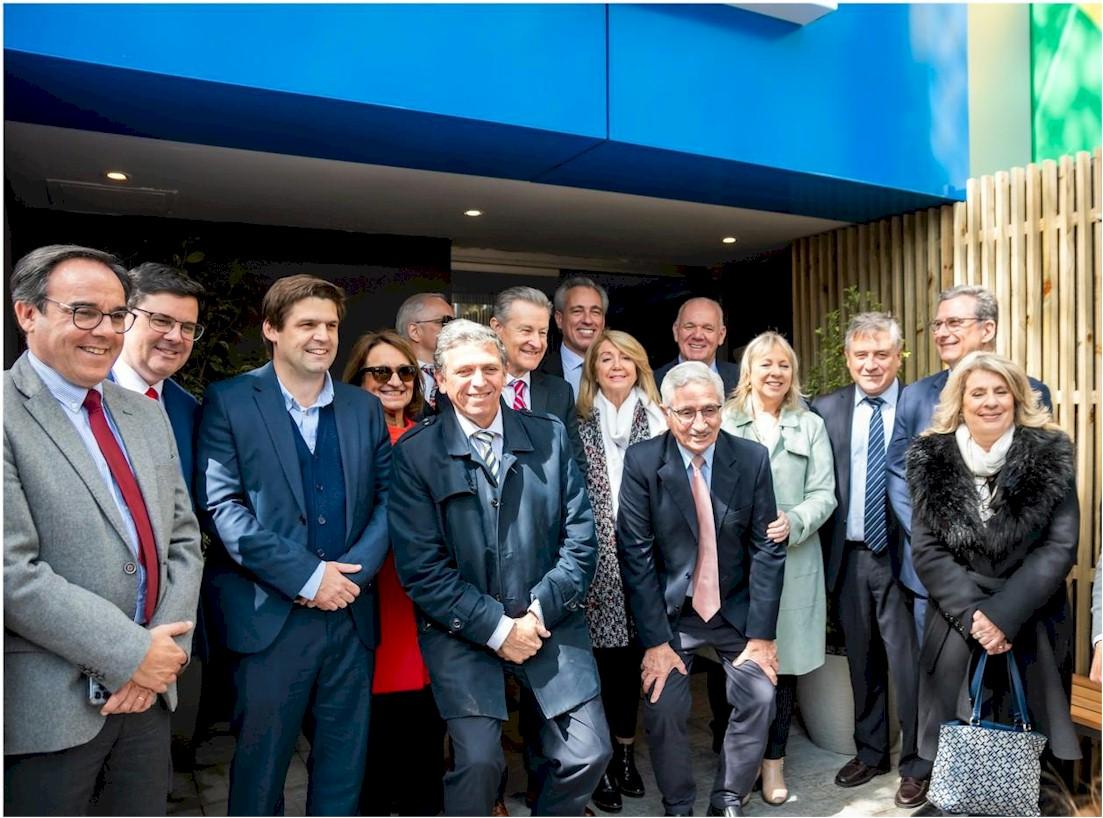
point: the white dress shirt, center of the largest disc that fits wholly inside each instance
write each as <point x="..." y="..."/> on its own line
<point x="859" y="442"/>
<point x="526" y="379"/>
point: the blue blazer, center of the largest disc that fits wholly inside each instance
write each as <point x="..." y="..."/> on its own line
<point x="183" y="412"/>
<point x="466" y="559"/>
<point x="250" y="499"/>
<point x="913" y="415"/>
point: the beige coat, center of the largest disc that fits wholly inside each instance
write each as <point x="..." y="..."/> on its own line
<point x="804" y="486"/>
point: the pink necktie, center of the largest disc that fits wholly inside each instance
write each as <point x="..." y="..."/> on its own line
<point x="519" y="395"/>
<point x="706" y="582"/>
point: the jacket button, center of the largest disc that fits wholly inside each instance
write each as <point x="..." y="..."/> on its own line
<point x="321" y="553"/>
<point x="494" y="503"/>
<point x="456" y="624"/>
<point x="321" y="519"/>
<point x="130" y="568"/>
<point x="689" y="575"/>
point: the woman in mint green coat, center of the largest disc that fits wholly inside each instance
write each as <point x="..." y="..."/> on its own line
<point x="766" y="407"/>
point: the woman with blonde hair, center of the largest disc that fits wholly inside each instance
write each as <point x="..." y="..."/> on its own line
<point x="766" y="407"/>
<point x="618" y="405"/>
<point x="995" y="526"/>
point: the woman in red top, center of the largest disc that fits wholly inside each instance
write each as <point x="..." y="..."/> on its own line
<point x="405" y="763"/>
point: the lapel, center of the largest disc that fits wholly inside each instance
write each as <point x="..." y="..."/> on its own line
<point x="675" y="481"/>
<point x="269" y="400"/>
<point x="458" y="468"/>
<point x="538" y="396"/>
<point x="515" y="440"/>
<point x="840" y="427"/>
<point x="725" y="477"/>
<point x="351" y="445"/>
<point x="791" y="437"/>
<point x="43" y="408"/>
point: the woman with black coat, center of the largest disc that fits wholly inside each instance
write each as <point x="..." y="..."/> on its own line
<point x="994" y="533"/>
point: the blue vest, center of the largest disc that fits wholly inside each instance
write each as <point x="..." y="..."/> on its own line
<point x="323" y="487"/>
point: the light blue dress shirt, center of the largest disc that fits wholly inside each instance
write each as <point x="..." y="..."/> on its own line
<point x="859" y="442"/>
<point x="572" y="368"/>
<point x="71" y="399"/>
<point x="706" y="475"/>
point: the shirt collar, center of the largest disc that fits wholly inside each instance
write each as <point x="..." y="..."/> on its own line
<point x="526" y="379"/>
<point x="422" y="364"/>
<point x="325" y="397"/>
<point x="687" y="456"/>
<point x="66" y="393"/>
<point x="125" y="376"/>
<point x="712" y="364"/>
<point x="570" y="358"/>
<point x="890" y="395"/>
<point x="469" y="427"/>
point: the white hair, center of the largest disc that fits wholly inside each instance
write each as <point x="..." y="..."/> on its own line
<point x="462" y="332"/>
<point x="687" y="373"/>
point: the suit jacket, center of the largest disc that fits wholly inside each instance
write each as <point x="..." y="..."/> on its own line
<point x="552" y="364"/>
<point x="657" y="537"/>
<point x="250" y="497"/>
<point x="68" y="598"/>
<point x="183" y="411"/>
<point x="468" y="553"/>
<point x="914" y="411"/>
<point x="551" y="395"/>
<point x="837" y="411"/>
<point x="729" y="374"/>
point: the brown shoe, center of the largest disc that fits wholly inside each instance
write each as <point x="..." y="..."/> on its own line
<point x="912" y="792"/>
<point x="500" y="810"/>
<point x="855" y="773"/>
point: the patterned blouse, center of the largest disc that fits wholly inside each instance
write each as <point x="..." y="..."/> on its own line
<point x="609" y="621"/>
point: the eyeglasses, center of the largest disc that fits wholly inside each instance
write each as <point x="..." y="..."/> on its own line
<point x="444" y="319"/>
<point x="951" y="324"/>
<point x="687" y="415"/>
<point x="382" y="374"/>
<point x="163" y="324"/>
<point x="88" y="318"/>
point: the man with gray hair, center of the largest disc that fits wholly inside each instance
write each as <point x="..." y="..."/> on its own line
<point x="494" y="541"/>
<point x="420" y="320"/>
<point x="700" y="571"/>
<point x="863" y="548"/>
<point x="965" y="322"/>
<point x="520" y="320"/>
<point x="580" y="309"/>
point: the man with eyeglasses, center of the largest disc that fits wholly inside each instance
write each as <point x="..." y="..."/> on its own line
<point x="699" y="331"/>
<point x="965" y="322"/>
<point x="699" y="571"/>
<point x="420" y="320"/>
<point x="102" y="562"/>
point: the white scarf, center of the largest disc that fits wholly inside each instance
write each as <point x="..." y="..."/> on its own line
<point x="983" y="464"/>
<point x="616" y="429"/>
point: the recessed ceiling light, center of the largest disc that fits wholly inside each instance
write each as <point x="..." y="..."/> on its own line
<point x="472" y="213"/>
<point x="728" y="239"/>
<point x="117" y="176"/>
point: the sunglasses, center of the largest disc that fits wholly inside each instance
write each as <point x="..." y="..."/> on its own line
<point x="382" y="374"/>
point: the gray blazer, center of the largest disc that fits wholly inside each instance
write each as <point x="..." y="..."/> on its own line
<point x="68" y="600"/>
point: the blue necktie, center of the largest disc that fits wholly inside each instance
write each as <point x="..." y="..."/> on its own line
<point x="876" y="535"/>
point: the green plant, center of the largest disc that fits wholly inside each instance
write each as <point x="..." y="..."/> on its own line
<point x="828" y="371"/>
<point x="230" y="309"/>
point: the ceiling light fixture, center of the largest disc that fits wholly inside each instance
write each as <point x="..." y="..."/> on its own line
<point x="472" y="213"/>
<point x="728" y="239"/>
<point x="117" y="176"/>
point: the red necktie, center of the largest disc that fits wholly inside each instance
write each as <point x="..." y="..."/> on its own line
<point x="132" y="495"/>
<point x="519" y="395"/>
<point x="151" y="393"/>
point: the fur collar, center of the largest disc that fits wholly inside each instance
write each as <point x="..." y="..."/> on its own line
<point x="1035" y="478"/>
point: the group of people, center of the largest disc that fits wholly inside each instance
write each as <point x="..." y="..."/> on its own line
<point x="467" y="512"/>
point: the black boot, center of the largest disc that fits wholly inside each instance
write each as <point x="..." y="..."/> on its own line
<point x="607" y="795"/>
<point x="624" y="772"/>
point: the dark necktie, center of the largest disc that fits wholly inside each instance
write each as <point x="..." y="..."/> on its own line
<point x="876" y="534"/>
<point x="132" y="495"/>
<point x="484" y="444"/>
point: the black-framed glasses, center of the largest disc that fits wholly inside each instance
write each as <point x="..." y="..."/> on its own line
<point x="88" y="318"/>
<point x="951" y="324"/>
<point x="689" y="414"/>
<point x="163" y="324"/>
<point x="444" y="319"/>
<point x="382" y="374"/>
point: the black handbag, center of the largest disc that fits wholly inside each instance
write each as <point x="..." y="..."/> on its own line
<point x="985" y="767"/>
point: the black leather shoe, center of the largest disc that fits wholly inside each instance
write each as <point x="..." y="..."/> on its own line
<point x="623" y="770"/>
<point x="912" y="792"/>
<point x="607" y="796"/>
<point x="729" y="810"/>
<point x="855" y="773"/>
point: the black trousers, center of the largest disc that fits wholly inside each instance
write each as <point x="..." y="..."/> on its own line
<point x="619" y="669"/>
<point x="875" y="611"/>
<point x="125" y="770"/>
<point x="405" y="764"/>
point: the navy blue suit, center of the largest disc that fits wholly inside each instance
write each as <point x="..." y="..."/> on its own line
<point x="183" y="412"/>
<point x="292" y="663"/>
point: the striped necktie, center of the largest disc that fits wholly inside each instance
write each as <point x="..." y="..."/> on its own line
<point x="519" y="395"/>
<point x="484" y="444"/>
<point x="876" y="534"/>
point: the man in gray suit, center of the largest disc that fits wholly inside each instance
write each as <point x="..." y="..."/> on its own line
<point x="101" y="554"/>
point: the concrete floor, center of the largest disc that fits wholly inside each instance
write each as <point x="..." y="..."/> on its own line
<point x="809" y="772"/>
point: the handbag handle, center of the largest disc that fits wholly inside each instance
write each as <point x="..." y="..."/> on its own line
<point x="1018" y="695"/>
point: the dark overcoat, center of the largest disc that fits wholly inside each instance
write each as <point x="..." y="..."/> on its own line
<point x="1012" y="568"/>
<point x="468" y="552"/>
